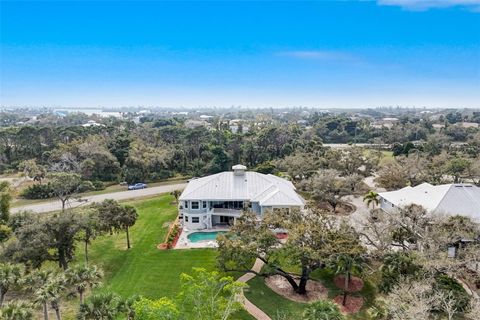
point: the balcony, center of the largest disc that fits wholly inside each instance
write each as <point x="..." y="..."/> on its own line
<point x="226" y="212"/>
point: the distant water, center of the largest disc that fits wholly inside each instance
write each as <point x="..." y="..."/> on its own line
<point x="90" y="112"/>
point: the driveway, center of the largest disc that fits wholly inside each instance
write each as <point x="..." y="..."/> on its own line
<point x="55" y="205"/>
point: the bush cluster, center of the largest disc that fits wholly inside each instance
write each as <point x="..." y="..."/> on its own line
<point x="45" y="191"/>
<point x="172" y="235"/>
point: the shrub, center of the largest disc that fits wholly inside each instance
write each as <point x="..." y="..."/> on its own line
<point x="160" y="175"/>
<point x="37" y="191"/>
<point x="85" y="186"/>
<point x="98" y="185"/>
<point x="172" y="235"/>
<point x="322" y="310"/>
<point x="447" y="285"/>
<point x="395" y="266"/>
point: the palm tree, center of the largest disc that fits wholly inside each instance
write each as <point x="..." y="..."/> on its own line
<point x="104" y="306"/>
<point x="127" y="218"/>
<point x="42" y="297"/>
<point x="322" y="310"/>
<point x="17" y="310"/>
<point x="346" y="264"/>
<point x="54" y="289"/>
<point x="82" y="277"/>
<point x="176" y="194"/>
<point x="47" y="288"/>
<point x="10" y="275"/>
<point x="127" y="306"/>
<point x="371" y="198"/>
<point x="89" y="229"/>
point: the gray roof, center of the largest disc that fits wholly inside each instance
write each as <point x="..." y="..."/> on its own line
<point x="453" y="199"/>
<point x="268" y="190"/>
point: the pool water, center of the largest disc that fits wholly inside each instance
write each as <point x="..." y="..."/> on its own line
<point x="203" y="236"/>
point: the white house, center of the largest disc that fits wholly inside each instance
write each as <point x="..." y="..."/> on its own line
<point x="448" y="199"/>
<point x="220" y="198"/>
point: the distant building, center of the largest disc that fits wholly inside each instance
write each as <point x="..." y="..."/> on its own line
<point x="448" y="199"/>
<point x="235" y="125"/>
<point x="390" y="119"/>
<point x="468" y="124"/>
<point x="196" y="123"/>
<point x="92" y="123"/>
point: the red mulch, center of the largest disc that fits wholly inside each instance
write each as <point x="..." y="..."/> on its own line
<point x="355" y="284"/>
<point x="162" y="246"/>
<point x="353" y="305"/>
<point x="174" y="243"/>
<point x="281" y="235"/>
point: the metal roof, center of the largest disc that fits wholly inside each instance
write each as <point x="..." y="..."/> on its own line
<point x="453" y="199"/>
<point x="268" y="190"/>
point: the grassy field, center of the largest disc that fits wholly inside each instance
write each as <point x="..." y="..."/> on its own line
<point x="144" y="269"/>
<point x="18" y="202"/>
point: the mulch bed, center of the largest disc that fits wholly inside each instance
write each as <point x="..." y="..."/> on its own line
<point x="353" y="304"/>
<point x="174" y="243"/>
<point x="355" y="284"/>
<point x="315" y="289"/>
<point x="343" y="209"/>
<point x="162" y="246"/>
<point x="281" y="235"/>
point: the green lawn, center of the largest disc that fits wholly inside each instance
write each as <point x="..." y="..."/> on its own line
<point x="270" y="302"/>
<point x="144" y="269"/>
<point x="274" y="305"/>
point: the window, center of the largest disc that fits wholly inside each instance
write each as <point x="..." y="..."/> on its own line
<point x="195" y="219"/>
<point x="186" y="218"/>
<point x="204" y="204"/>
<point x="186" y="204"/>
<point x="195" y="205"/>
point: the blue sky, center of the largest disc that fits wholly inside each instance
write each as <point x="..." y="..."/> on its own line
<point x="253" y="54"/>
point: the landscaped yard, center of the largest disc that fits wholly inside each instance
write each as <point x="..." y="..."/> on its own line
<point x="154" y="273"/>
<point x="144" y="269"/>
<point x="275" y="305"/>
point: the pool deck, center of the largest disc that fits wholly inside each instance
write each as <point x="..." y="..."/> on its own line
<point x="184" y="243"/>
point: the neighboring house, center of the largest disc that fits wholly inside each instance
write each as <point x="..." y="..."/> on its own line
<point x="447" y="199"/>
<point x="468" y="124"/>
<point x="191" y="124"/>
<point x="219" y="199"/>
<point x="92" y="123"/>
<point x="438" y="126"/>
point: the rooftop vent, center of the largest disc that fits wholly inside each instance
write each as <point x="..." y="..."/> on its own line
<point x="239" y="170"/>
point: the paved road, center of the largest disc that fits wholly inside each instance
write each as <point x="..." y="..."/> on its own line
<point x="122" y="195"/>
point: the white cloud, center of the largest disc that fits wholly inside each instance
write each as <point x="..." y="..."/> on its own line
<point x="317" y="55"/>
<point x="420" y="5"/>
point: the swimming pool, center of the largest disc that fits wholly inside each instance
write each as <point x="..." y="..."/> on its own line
<point x="203" y="236"/>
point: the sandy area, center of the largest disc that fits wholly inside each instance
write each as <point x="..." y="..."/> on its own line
<point x="315" y="290"/>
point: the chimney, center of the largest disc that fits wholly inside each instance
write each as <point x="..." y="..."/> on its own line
<point x="239" y="170"/>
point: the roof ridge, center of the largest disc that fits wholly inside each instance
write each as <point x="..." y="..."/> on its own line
<point x="444" y="195"/>
<point x="278" y="191"/>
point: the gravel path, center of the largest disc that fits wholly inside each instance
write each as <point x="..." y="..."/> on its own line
<point x="122" y="195"/>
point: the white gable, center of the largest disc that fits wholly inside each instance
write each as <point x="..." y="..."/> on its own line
<point x="461" y="199"/>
